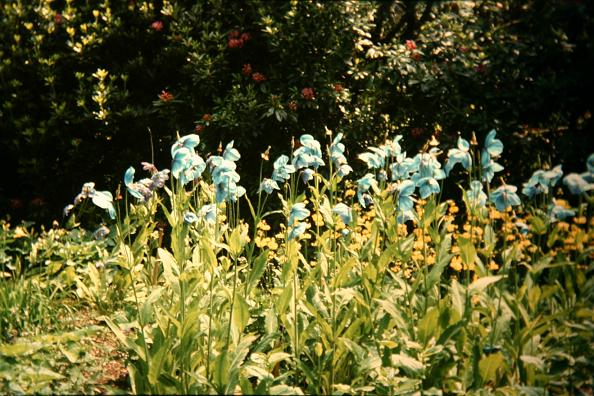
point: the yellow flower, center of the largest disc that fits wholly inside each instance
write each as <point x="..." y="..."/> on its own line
<point x="580" y="220"/>
<point x="456" y="263"/>
<point x="318" y="219"/>
<point x="493" y="266"/>
<point x="20" y="232"/>
<point x="350" y="193"/>
<point x="262" y="225"/>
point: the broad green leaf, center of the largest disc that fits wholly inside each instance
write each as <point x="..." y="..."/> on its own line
<point x="480" y="284"/>
<point x="257" y="270"/>
<point x="490" y="367"/>
<point x="428" y="326"/>
<point x="20" y="349"/>
<point x="234" y="241"/>
<point x="285" y="390"/>
<point x="170" y="269"/>
<point x="410" y="364"/>
<point x="467" y="251"/>
<point x="241" y="314"/>
<point x="41" y="374"/>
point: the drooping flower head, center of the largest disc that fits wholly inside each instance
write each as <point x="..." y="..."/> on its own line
<point x="577" y="184"/>
<point x="476" y="197"/>
<point x="493" y="146"/>
<point x="504" y="197"/>
<point x="102" y="199"/>
<point x="557" y="211"/>
<point x="405" y="201"/>
<point x="489" y="167"/>
<point x="344" y="212"/>
<point x="309" y="155"/>
<point x="363" y="185"/>
<point x="298" y="212"/>
<point x="268" y="185"/>
<point x="282" y="169"/>
<point x="541" y="181"/>
<point x="459" y="155"/>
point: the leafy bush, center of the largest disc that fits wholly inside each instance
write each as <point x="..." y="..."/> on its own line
<point x="87" y="87"/>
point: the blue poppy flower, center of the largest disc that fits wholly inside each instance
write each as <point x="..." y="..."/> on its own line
<point x="577" y="184"/>
<point x="557" y="212"/>
<point x="344" y="170"/>
<point x="392" y="148"/>
<point x="337" y="151"/>
<point x="282" y="169"/>
<point x="476" y="197"/>
<point x="208" y="213"/>
<point x="489" y="167"/>
<point x="230" y="153"/>
<point x="427" y="186"/>
<point x="193" y="169"/>
<point x="344" y="212"/>
<point x="460" y="155"/>
<point x="190" y="217"/>
<point x="363" y="185"/>
<point x="588" y="176"/>
<point x="297" y="230"/>
<point x="187" y="142"/>
<point x="493" y="146"/>
<point x="402" y="168"/>
<point x="427" y="165"/>
<point x="541" y="180"/>
<point x="405" y="199"/>
<point x="373" y="160"/>
<point x="268" y="185"/>
<point x="307" y="175"/>
<point x="104" y="200"/>
<point x="309" y="155"/>
<point x="138" y="190"/>
<point x="298" y="212"/>
<point x="522" y="227"/>
<point x="504" y="197"/>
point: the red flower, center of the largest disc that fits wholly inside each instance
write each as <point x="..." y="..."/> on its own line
<point x="199" y="128"/>
<point x="416" y="56"/>
<point x="308" y="94"/>
<point x="157" y="26"/>
<point x="258" y="77"/>
<point x="410" y="44"/>
<point x="234" y="34"/>
<point x="165" y="96"/>
<point x="246" y="70"/>
<point x="207" y="117"/>
<point x="337" y="87"/>
<point x="235" y="43"/>
<point x="245" y="37"/>
<point x="58" y="19"/>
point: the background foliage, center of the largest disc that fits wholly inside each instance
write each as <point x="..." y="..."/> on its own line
<point x="82" y="83"/>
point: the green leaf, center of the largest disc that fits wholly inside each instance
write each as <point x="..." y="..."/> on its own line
<point x="258" y="267"/>
<point x="409" y="364"/>
<point x="20" y="349"/>
<point x="285" y="390"/>
<point x="480" y="284"/>
<point x="170" y="269"/>
<point x="490" y="367"/>
<point x="467" y="252"/>
<point x="234" y="240"/>
<point x="241" y="314"/>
